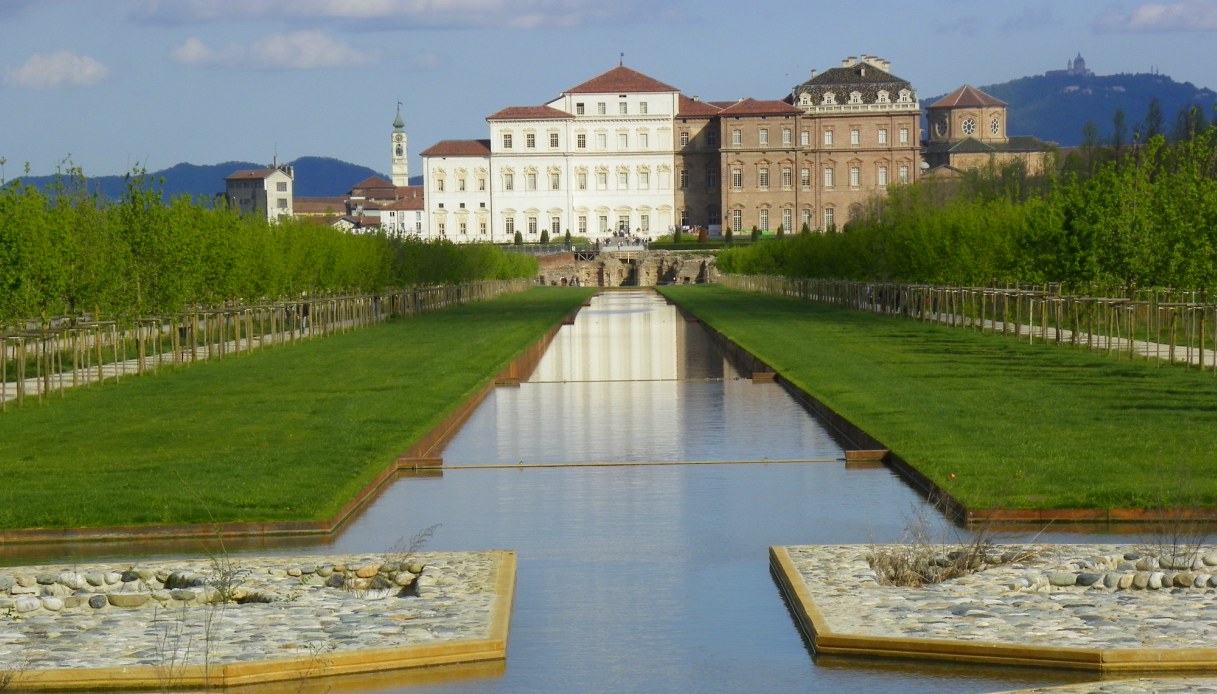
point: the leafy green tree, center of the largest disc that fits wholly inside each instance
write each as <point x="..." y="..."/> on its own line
<point x="544" y="236"/>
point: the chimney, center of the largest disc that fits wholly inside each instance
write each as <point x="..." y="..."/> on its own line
<point x="813" y="73"/>
<point x="849" y="62"/>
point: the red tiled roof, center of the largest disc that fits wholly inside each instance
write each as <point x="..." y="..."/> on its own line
<point x="407" y="192"/>
<point x="372" y="182"/>
<point x="692" y="108"/>
<point x="411" y="203"/>
<point x="753" y="107"/>
<point x="621" y="80"/>
<point x="458" y="148"/>
<point x="967" y="96"/>
<point x="528" y="113"/>
<point x="250" y="174"/>
<point x="308" y="205"/>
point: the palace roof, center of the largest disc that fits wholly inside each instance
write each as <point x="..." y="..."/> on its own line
<point x="967" y="96"/>
<point x="621" y="80"/>
<point x="754" y="107"/>
<point x="529" y="113"/>
<point x="458" y="148"/>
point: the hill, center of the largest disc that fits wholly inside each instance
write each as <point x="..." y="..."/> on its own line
<point x="315" y="177"/>
<point x="1056" y="107"/>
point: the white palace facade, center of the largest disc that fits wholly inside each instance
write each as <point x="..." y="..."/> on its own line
<point x="598" y="159"/>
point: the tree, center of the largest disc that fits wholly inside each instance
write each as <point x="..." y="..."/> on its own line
<point x="544" y="236"/>
<point x="519" y="239"/>
<point x="756" y="234"/>
<point x="1119" y="131"/>
<point x="806" y="228"/>
<point x="1154" y="121"/>
<point x="727" y="235"/>
<point x="781" y="232"/>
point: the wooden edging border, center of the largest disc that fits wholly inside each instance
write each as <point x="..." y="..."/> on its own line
<point x="419" y="456"/>
<point x="824" y="641"/>
<point x="297" y="669"/>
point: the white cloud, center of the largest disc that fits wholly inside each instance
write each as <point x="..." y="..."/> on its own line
<point x="301" y="50"/>
<point x="397" y="14"/>
<point x="60" y="69"/>
<point x="1185" y="15"/>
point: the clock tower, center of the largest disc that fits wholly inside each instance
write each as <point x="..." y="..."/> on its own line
<point x="401" y="166"/>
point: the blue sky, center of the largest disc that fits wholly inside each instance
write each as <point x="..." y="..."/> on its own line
<point x="113" y="84"/>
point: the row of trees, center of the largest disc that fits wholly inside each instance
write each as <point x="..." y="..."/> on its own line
<point x="64" y="252"/>
<point x="1146" y="217"/>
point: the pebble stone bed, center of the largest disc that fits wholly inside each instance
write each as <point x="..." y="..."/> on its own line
<point x="164" y="613"/>
<point x="1083" y="596"/>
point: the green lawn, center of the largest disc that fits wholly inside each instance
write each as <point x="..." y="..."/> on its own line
<point x="290" y="433"/>
<point x="1020" y="426"/>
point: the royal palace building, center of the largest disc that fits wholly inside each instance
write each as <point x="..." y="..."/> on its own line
<point x="626" y="154"/>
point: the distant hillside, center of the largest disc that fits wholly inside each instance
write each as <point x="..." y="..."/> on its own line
<point x="1057" y="107"/>
<point x="315" y="177"/>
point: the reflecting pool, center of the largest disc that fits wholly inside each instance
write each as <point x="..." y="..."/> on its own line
<point x="641" y="479"/>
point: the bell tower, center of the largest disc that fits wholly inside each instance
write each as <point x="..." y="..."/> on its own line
<point x="401" y="166"/>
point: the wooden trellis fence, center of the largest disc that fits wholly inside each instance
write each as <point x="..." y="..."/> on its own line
<point x="36" y="362"/>
<point x="1164" y="326"/>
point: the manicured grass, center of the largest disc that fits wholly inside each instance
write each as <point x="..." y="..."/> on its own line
<point x="1020" y="426"/>
<point x="290" y="433"/>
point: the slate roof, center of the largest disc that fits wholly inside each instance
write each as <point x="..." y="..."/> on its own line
<point x="458" y="148"/>
<point x="861" y="77"/>
<point x="967" y="96"/>
<point x="754" y="107"/>
<point x="621" y="80"/>
<point x="528" y="113"/>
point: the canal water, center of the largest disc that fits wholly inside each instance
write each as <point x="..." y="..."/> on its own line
<point x="641" y="479"/>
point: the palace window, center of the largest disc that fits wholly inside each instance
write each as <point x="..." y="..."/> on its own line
<point x="601" y="109"/>
<point x="509" y="182"/>
<point x="530" y="181"/>
<point x="684" y="138"/>
<point x="532" y="225"/>
<point x="883" y="175"/>
<point x="764" y="136"/>
<point x="581" y="141"/>
<point x="623" y="141"/>
<point x="530" y="141"/>
<point x="788" y="219"/>
<point x="737" y="178"/>
<point x="737" y="220"/>
<point x="644" y="140"/>
<point x="581" y="179"/>
<point x="828" y="138"/>
<point x="855" y="176"/>
<point x="555" y="180"/>
<point x="763" y="178"/>
<point x="855" y="137"/>
<point x="642" y="108"/>
<point x="805" y="178"/>
<point x="828" y="177"/>
<point x="623" y="108"/>
<point x="764" y="215"/>
<point x="582" y="225"/>
<point x="786" y="136"/>
<point x="904" y="173"/>
<point x="506" y="140"/>
<point x="553" y="140"/>
<point x="804" y="138"/>
<point x="684" y="178"/>
<point x="904" y="136"/>
<point x="737" y="137"/>
<point x="883" y="136"/>
<point x="644" y="179"/>
<point x="787" y="176"/>
<point x="829" y="219"/>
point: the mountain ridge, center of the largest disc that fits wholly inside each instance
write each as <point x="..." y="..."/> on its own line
<point x="314" y="177"/>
